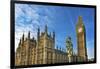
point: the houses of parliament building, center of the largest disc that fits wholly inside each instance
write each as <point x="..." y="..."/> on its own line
<point x="42" y="50"/>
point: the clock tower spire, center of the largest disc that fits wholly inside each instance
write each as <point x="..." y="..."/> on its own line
<point x="81" y="40"/>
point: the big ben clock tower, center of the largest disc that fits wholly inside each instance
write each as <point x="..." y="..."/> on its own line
<point x="81" y="40"/>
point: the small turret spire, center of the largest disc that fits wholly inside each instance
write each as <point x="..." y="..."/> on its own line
<point x="23" y="37"/>
<point x="46" y="29"/>
<point x="60" y="48"/>
<point x="53" y="35"/>
<point x="50" y="34"/>
<point x="38" y="33"/>
<point x="29" y="35"/>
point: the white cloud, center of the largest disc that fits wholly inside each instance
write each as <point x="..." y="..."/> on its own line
<point x="29" y="18"/>
<point x="21" y="27"/>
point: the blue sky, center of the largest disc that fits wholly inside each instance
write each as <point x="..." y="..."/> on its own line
<point x="62" y="20"/>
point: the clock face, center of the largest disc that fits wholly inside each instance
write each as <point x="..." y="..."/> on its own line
<point x="80" y="30"/>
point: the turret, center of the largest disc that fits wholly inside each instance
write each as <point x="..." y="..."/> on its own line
<point x="38" y="33"/>
<point x="57" y="47"/>
<point x="33" y="38"/>
<point x="50" y="34"/>
<point x="23" y="38"/>
<point x="46" y="29"/>
<point x="29" y="35"/>
<point x="54" y="36"/>
<point x="60" y="48"/>
<point x="20" y="42"/>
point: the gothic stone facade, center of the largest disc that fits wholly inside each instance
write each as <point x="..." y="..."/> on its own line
<point x="41" y="51"/>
